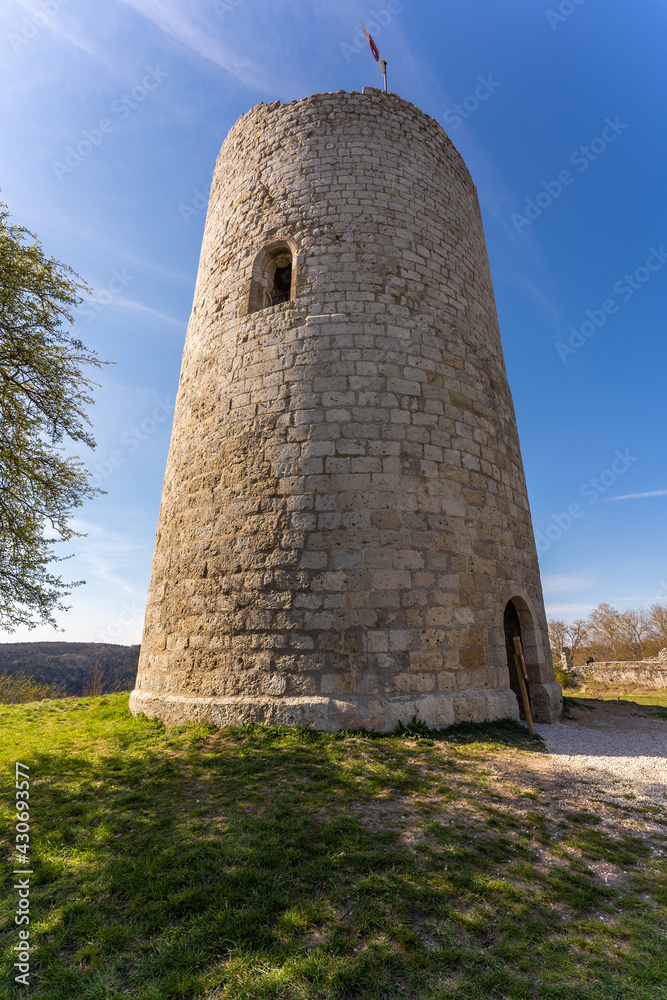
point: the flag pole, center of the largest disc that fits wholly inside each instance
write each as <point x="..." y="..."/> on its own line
<point x="382" y="63"/>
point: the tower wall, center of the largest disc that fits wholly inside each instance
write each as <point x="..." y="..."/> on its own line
<point x="344" y="515"/>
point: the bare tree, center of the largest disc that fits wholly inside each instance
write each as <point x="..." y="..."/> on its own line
<point x="557" y="630"/>
<point x="576" y="635"/>
<point x="656" y="623"/>
<point x="605" y="632"/>
<point x="609" y="634"/>
<point x="96" y="683"/>
<point x="635" y="632"/>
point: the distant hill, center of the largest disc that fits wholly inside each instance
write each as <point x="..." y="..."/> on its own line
<point x="77" y="667"/>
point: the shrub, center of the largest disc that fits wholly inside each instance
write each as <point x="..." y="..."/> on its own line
<point x="565" y="680"/>
<point x="17" y="688"/>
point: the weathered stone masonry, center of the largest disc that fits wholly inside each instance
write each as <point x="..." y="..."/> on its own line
<point x="344" y="517"/>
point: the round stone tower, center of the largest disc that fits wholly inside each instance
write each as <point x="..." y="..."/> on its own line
<point x="345" y="538"/>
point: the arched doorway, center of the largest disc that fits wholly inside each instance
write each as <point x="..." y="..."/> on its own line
<point x="512" y="626"/>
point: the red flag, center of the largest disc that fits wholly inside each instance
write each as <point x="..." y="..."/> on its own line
<point x="374" y="48"/>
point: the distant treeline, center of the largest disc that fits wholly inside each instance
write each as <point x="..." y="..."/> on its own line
<point x="68" y="668"/>
<point x="609" y="634"/>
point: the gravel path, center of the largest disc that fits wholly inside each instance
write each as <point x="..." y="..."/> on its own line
<point x="613" y="745"/>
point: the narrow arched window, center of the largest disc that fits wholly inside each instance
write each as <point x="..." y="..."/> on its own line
<point x="272" y="276"/>
<point x="282" y="279"/>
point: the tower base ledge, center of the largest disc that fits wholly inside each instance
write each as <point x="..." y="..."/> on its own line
<point x="329" y="714"/>
<point x="546" y="701"/>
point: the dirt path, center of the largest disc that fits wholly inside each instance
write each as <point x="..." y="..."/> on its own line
<point x="617" y="745"/>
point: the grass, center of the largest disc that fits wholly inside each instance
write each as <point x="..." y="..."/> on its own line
<point x="635" y="696"/>
<point x="275" y="864"/>
<point x="569" y="703"/>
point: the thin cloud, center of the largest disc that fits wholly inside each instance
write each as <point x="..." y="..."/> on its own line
<point x="105" y="554"/>
<point x="637" y="496"/>
<point x="180" y="278"/>
<point x="200" y="38"/>
<point x="152" y="314"/>
<point x="568" y="609"/>
<point x="559" y="584"/>
<point x="90" y="35"/>
<point x="629" y="600"/>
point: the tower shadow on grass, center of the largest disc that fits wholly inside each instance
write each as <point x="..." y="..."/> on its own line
<point x="277" y="863"/>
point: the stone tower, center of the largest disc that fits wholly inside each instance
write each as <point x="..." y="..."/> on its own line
<point x="345" y="538"/>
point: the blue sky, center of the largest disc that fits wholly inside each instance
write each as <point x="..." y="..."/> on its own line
<point x="559" y="112"/>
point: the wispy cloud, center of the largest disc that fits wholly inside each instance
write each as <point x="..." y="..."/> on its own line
<point x="152" y="314"/>
<point x="630" y="600"/>
<point x="78" y="34"/>
<point x="568" y="609"/>
<point x="105" y="554"/>
<point x="70" y="25"/>
<point x="637" y="496"/>
<point x="202" y="38"/>
<point x="559" y="584"/>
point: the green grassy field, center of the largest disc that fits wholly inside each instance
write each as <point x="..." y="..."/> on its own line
<point x="268" y="863"/>
<point x="638" y="696"/>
